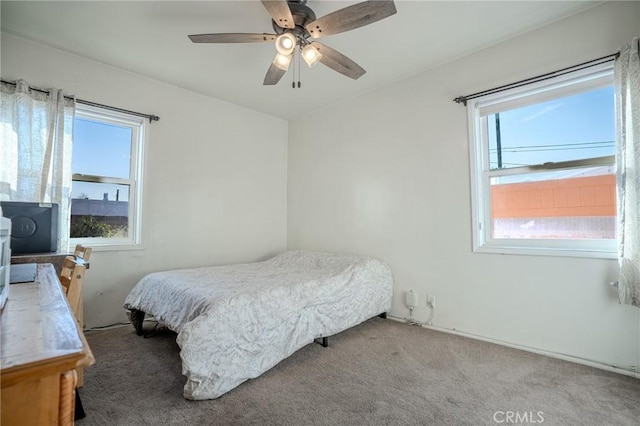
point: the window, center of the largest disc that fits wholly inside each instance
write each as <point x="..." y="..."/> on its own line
<point x="107" y="178"/>
<point x="542" y="167"/>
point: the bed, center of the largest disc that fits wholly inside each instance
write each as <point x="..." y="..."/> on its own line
<point x="235" y="322"/>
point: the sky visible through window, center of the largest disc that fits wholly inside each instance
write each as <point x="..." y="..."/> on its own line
<point x="570" y="128"/>
<point x="100" y="149"/>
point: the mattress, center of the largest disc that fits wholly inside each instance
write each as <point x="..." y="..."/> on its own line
<point x="235" y="322"/>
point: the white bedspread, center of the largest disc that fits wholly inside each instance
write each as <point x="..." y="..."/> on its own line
<point x="235" y="322"/>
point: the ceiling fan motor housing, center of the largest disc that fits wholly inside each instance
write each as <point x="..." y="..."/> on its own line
<point x="302" y="15"/>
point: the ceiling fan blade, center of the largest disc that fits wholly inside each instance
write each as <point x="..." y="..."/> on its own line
<point x="273" y="76"/>
<point x="351" y="17"/>
<point x="338" y="62"/>
<point x="280" y="12"/>
<point x="232" y="38"/>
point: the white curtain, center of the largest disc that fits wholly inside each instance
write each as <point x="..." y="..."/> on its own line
<point x="36" y="132"/>
<point x="627" y="83"/>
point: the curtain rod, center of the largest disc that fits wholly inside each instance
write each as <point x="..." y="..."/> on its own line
<point x="542" y="77"/>
<point x="151" y="117"/>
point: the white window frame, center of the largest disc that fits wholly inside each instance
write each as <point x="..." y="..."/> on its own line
<point x="138" y="138"/>
<point x="481" y="174"/>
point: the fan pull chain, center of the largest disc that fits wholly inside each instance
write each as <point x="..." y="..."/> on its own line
<point x="293" y="74"/>
<point x="296" y="60"/>
<point x="299" y="60"/>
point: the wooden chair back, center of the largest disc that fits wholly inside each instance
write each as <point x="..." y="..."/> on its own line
<point x="72" y="279"/>
<point x="82" y="252"/>
<point x="72" y="274"/>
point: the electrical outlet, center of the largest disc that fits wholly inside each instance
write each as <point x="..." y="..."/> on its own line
<point x="431" y="301"/>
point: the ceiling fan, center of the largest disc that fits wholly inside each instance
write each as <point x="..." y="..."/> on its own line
<point x="295" y="23"/>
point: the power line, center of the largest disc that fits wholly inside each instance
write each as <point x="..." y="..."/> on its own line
<point x="552" y="149"/>
<point x="560" y="145"/>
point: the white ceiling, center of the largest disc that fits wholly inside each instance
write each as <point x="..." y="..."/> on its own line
<point x="150" y="38"/>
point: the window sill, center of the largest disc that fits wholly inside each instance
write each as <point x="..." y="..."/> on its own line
<point x="509" y="249"/>
<point x="106" y="246"/>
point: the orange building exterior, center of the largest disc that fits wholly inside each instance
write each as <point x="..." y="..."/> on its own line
<point x="572" y="197"/>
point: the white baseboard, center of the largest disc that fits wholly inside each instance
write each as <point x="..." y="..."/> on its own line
<point x="591" y="363"/>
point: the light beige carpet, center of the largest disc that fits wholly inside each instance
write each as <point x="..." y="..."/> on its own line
<point x="379" y="373"/>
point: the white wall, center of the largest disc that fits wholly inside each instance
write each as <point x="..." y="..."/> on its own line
<point x="387" y="174"/>
<point x="215" y="173"/>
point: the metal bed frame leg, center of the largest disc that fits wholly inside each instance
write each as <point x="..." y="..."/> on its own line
<point x="137" y="318"/>
<point x="324" y="341"/>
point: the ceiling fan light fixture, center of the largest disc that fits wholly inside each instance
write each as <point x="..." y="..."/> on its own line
<point x="282" y="61"/>
<point x="311" y="55"/>
<point x="285" y="44"/>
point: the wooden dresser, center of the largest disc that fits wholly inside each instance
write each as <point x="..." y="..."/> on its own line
<point x="41" y="346"/>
